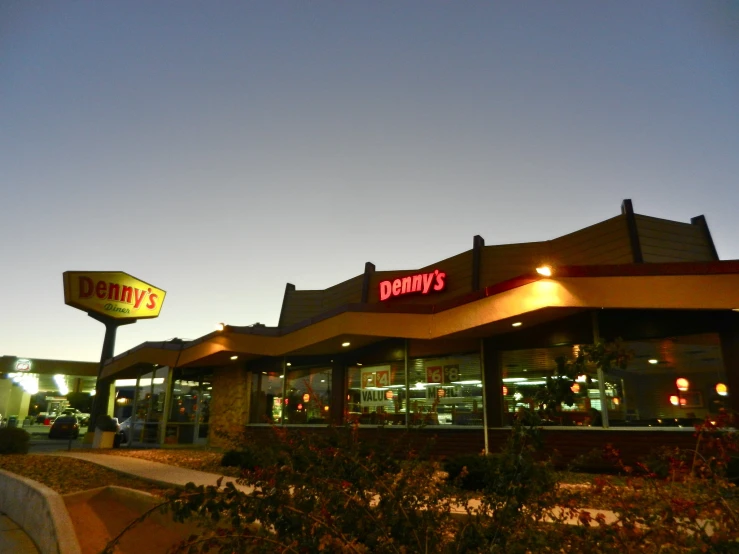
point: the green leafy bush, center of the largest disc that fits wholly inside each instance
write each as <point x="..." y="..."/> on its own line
<point x="13" y="440"/>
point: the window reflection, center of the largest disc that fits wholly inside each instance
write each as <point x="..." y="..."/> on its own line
<point x="446" y="390"/>
<point x="376" y="395"/>
<point x="308" y="396"/>
<point x="645" y="394"/>
<point x="266" y="397"/>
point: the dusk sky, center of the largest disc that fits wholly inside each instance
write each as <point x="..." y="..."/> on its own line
<point x="219" y="150"/>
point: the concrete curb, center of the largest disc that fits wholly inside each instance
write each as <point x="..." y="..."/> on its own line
<point x="40" y="512"/>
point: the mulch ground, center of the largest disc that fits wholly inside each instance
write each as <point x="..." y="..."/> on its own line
<point x="67" y="475"/>
<point x="197" y="459"/>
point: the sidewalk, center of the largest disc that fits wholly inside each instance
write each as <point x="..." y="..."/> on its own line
<point x="14" y="539"/>
<point x="153" y="471"/>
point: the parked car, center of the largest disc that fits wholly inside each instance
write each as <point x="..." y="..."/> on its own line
<point x="64" y="427"/>
<point x="125" y="428"/>
<point x="45" y="418"/>
<point x="82" y="418"/>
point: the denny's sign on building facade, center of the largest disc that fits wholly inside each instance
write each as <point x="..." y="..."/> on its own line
<point x="114" y="294"/>
<point x="420" y="283"/>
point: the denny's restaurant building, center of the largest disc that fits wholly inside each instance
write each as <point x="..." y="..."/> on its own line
<point x="462" y="344"/>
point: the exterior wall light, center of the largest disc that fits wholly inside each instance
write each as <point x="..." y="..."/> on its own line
<point x="234" y="357"/>
<point x="345" y="344"/>
<point x="653" y="361"/>
<point x="674" y="400"/>
<point x="682" y="384"/>
<point x="722" y="389"/>
<point x="517" y="324"/>
<point x="544" y="270"/>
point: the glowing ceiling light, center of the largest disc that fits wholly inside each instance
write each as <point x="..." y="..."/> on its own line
<point x="544" y="270"/>
<point x="345" y="344"/>
<point x="234" y="357"/>
<point x="682" y="384"/>
<point x="61" y="384"/>
<point x="653" y="361"/>
<point x="722" y="389"/>
<point x="674" y="400"/>
<point x="517" y="324"/>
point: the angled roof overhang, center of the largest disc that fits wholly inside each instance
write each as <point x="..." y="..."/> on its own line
<point x="679" y="286"/>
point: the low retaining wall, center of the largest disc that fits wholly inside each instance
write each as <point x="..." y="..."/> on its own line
<point x="40" y="512"/>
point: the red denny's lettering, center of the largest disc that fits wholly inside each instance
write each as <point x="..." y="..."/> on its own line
<point x="422" y="282"/>
<point x="117" y="292"/>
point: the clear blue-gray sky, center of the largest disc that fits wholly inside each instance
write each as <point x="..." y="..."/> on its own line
<point x="221" y="149"/>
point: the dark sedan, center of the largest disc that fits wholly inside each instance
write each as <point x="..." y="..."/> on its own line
<point x="64" y="427"/>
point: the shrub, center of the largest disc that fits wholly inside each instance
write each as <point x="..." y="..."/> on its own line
<point x="248" y="458"/>
<point x="106" y="424"/>
<point x="13" y="440"/>
<point x="331" y="493"/>
<point x="471" y="472"/>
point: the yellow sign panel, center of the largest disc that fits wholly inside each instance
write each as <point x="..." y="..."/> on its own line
<point x="114" y="294"/>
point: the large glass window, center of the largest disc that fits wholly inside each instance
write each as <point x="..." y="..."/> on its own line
<point x="446" y="390"/>
<point x="266" y="397"/>
<point x="675" y="381"/>
<point x="308" y="398"/>
<point x="647" y="393"/>
<point x="190" y="408"/>
<point x="525" y="373"/>
<point x="143" y="425"/>
<point x="376" y="394"/>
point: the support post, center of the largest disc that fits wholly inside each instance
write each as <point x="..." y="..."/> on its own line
<point x="169" y="391"/>
<point x="102" y="389"/>
<point x="407" y="385"/>
<point x="601" y="376"/>
<point x="169" y="388"/>
<point x="284" y="390"/>
<point x="338" y="392"/>
<point x="134" y="409"/>
<point x="485" y="406"/>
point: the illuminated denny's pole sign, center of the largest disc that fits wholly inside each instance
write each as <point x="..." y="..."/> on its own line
<point x="420" y="283"/>
<point x="113" y="298"/>
<point x="115" y="294"/>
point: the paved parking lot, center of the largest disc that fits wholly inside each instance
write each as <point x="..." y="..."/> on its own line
<point x="40" y="441"/>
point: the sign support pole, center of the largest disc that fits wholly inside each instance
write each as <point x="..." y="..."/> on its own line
<point x="102" y="389"/>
